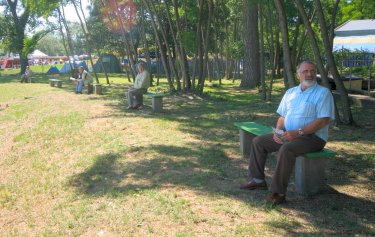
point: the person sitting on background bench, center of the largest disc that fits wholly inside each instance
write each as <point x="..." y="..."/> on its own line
<point x="26" y="77"/>
<point x="141" y="84"/>
<point x="305" y="112"/>
<point x="84" y="79"/>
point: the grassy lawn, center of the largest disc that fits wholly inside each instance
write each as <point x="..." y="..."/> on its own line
<point x="82" y="165"/>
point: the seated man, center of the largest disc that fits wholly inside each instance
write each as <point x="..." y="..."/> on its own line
<point x="305" y="112"/>
<point x="84" y="79"/>
<point x="26" y="77"/>
<point x="135" y="93"/>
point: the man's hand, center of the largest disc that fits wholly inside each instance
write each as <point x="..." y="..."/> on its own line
<point x="291" y="135"/>
<point x="277" y="139"/>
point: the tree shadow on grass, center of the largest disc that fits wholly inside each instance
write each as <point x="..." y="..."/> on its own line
<point x="209" y="171"/>
<point x="205" y="169"/>
<point x="331" y="213"/>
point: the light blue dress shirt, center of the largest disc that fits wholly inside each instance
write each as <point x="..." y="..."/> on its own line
<point x="300" y="108"/>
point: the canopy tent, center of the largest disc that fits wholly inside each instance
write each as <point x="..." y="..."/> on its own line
<point x="77" y="64"/>
<point x="37" y="54"/>
<point x="355" y="35"/>
<point x="110" y="63"/>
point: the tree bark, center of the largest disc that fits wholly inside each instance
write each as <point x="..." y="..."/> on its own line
<point x="251" y="73"/>
<point x="163" y="55"/>
<point x="261" y="59"/>
<point x="347" y="114"/>
<point x="271" y="43"/>
<point x="285" y="43"/>
<point x="86" y="34"/>
<point x="184" y="63"/>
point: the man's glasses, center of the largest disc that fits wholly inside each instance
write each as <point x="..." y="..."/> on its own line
<point x="305" y="72"/>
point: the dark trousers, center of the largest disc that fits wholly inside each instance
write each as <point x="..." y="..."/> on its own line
<point x="286" y="157"/>
<point x="135" y="97"/>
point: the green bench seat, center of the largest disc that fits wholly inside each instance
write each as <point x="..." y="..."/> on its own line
<point x="309" y="167"/>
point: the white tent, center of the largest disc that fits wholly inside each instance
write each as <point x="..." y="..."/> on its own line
<point x="37" y="54"/>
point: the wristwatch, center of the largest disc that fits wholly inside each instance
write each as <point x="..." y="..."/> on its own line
<point x="301" y="132"/>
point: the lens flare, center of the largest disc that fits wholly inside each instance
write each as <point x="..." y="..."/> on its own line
<point x="119" y="15"/>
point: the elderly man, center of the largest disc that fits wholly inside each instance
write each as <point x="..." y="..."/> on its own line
<point x="84" y="79"/>
<point x="141" y="84"/>
<point x="305" y="112"/>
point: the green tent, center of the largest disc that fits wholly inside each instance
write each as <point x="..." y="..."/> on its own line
<point x="110" y="63"/>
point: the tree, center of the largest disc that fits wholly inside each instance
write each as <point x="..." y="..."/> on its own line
<point x="24" y="15"/>
<point x="251" y="43"/>
<point x="51" y="44"/>
<point x="288" y="71"/>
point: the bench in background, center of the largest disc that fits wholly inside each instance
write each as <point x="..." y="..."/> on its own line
<point x="309" y="168"/>
<point x="54" y="82"/>
<point x="157" y="101"/>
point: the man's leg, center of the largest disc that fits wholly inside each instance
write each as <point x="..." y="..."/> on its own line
<point x="129" y="96"/>
<point x="286" y="159"/>
<point x="260" y="147"/>
<point x="138" y="94"/>
<point x="22" y="78"/>
<point x="79" y="87"/>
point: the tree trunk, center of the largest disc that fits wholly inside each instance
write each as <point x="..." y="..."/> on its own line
<point x="206" y="41"/>
<point x="269" y="24"/>
<point x="261" y="59"/>
<point x="347" y="113"/>
<point x="178" y="52"/>
<point x="200" y="45"/>
<point x="145" y="43"/>
<point x="251" y="40"/>
<point x="85" y="33"/>
<point x="168" y="51"/>
<point x="184" y="63"/>
<point x="314" y="43"/>
<point x="288" y="72"/>
<point x="160" y="45"/>
<point x="295" y="42"/>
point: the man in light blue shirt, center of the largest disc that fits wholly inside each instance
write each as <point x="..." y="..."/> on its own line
<point x="305" y="112"/>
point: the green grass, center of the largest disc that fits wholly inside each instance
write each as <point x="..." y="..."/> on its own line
<point x="75" y="165"/>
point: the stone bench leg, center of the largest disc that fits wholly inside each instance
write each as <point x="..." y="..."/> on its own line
<point x="157" y="104"/>
<point x="52" y="83"/>
<point x="98" y="89"/>
<point x="59" y="84"/>
<point x="90" y="89"/>
<point x="309" y="175"/>
<point x="245" y="142"/>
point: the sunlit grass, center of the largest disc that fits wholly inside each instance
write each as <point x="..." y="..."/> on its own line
<point x="82" y="165"/>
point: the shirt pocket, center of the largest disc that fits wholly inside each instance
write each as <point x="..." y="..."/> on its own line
<point x="304" y="110"/>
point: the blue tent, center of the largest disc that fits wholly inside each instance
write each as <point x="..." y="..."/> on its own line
<point x="77" y="64"/>
<point x="53" y="70"/>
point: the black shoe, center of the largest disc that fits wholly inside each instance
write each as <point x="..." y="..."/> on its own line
<point x="254" y="185"/>
<point x="276" y="199"/>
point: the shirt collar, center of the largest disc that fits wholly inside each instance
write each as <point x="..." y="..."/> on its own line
<point x="308" y="90"/>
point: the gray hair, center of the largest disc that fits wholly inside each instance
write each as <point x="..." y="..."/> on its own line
<point x="140" y="65"/>
<point x="305" y="62"/>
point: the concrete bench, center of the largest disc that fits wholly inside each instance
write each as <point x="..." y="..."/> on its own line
<point x="157" y="101"/>
<point x="54" y="82"/>
<point x="309" y="171"/>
